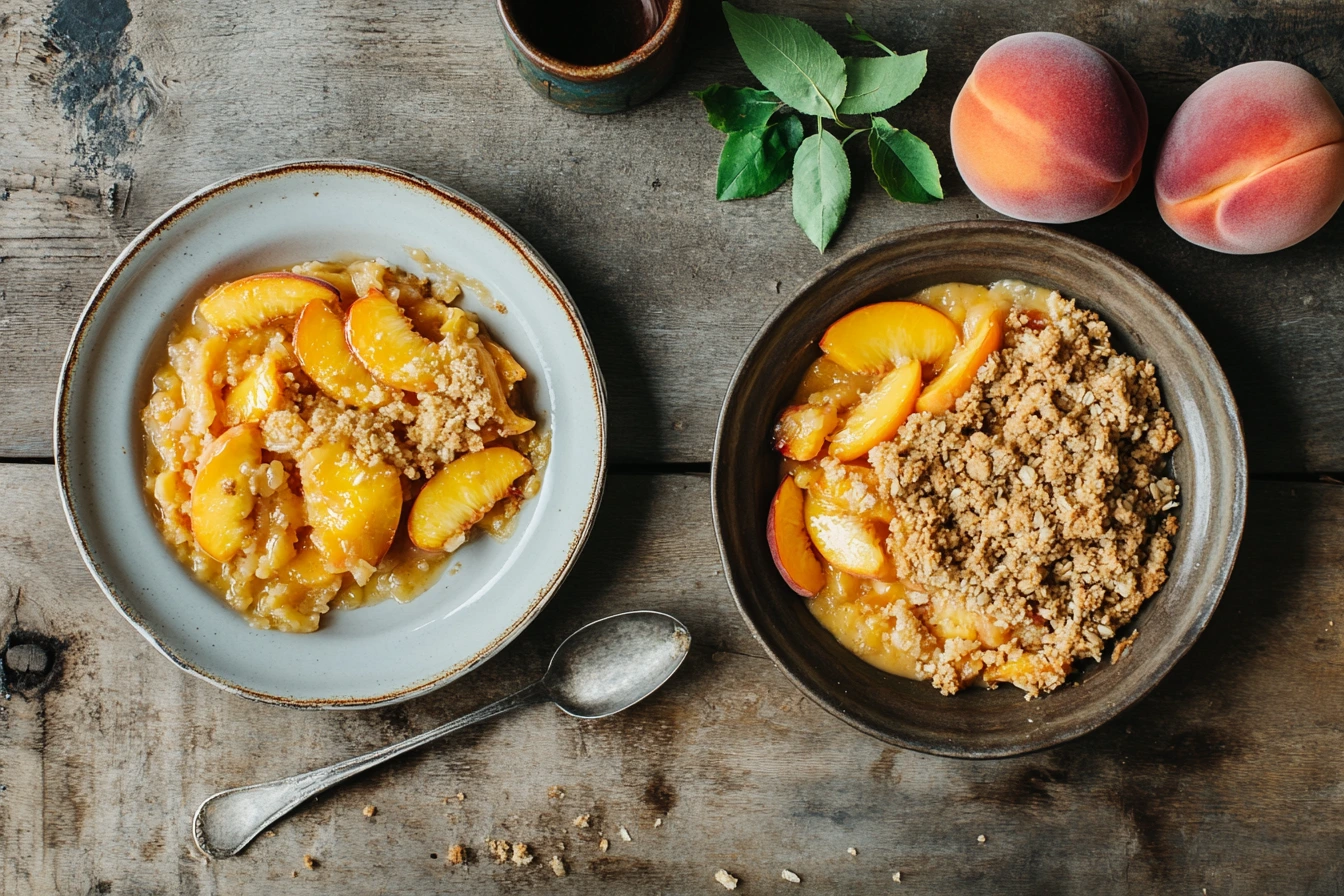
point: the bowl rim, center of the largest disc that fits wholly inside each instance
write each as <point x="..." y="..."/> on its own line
<point x="445" y="195"/>
<point x="1240" y="481"/>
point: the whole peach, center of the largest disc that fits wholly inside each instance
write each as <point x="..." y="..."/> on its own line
<point x="1048" y="128"/>
<point x="1253" y="161"/>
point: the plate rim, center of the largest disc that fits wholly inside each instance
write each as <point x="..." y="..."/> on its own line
<point x="1240" y="479"/>
<point x="444" y="194"/>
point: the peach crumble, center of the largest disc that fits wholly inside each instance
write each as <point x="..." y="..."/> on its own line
<point x="976" y="486"/>
<point x="324" y="437"/>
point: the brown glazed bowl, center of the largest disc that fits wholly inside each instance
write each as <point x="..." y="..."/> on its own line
<point x="593" y="88"/>
<point x="1209" y="464"/>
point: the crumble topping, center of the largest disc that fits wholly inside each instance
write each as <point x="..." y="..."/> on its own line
<point x="1040" y="500"/>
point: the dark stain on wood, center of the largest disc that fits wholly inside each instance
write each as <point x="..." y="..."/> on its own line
<point x="30" y="663"/>
<point x="100" y="86"/>
<point x="659" y="795"/>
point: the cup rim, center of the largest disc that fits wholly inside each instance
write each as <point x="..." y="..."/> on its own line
<point x="602" y="72"/>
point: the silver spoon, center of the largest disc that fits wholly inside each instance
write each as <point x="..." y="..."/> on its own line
<point x="602" y="668"/>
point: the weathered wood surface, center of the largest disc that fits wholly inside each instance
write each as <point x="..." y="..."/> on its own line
<point x="1228" y="777"/>
<point x="109" y="119"/>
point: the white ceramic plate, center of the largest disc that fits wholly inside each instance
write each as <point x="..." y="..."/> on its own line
<point x="280" y="216"/>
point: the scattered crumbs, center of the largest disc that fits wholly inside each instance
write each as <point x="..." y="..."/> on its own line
<point x="896" y="877"/>
<point x="309" y="862"/>
<point x="293" y="874"/>
<point x="1030" y="720"/>
<point x="457" y="854"/>
<point x="729" y="882"/>
<point x="582" y="821"/>
<point x="556" y="792"/>
<point x="461" y="796"/>
<point x="790" y="876"/>
<point x="980" y="839"/>
<point x="370" y="811"/>
<point x="1122" y="646"/>
<point x="852" y="851"/>
<point x="269" y="834"/>
<point x="657" y="822"/>
<point x="625" y="835"/>
<point x="558" y="866"/>
<point x="499" y="850"/>
<point x="603" y="844"/>
<point x="521" y="854"/>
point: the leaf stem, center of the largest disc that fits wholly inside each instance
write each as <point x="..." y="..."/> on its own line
<point x="856" y="133"/>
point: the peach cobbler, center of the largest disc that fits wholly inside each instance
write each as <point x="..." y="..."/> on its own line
<point x="301" y="416"/>
<point x="975" y="486"/>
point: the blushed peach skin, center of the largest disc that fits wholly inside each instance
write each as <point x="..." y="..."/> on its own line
<point x="1049" y="129"/>
<point x="1253" y="161"/>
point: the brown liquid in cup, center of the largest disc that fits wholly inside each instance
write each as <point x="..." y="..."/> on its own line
<point x="588" y="32"/>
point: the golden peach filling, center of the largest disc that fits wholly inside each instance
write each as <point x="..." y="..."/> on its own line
<point x="302" y="416"/>
<point x="844" y="526"/>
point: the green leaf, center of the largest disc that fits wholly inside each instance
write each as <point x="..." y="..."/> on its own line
<point x="820" y="187"/>
<point x="880" y="82"/>
<point x="858" y="32"/>
<point x="904" y="164"/>
<point x="757" y="161"/>
<point x="737" y="108"/>
<point x="790" y="59"/>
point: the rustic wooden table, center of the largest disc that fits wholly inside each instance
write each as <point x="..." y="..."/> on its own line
<point x="1229" y="778"/>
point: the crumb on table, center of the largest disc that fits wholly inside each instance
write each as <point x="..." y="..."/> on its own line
<point x="309" y="862"/>
<point x="790" y="876"/>
<point x="457" y="854"/>
<point x="499" y="850"/>
<point x="370" y="811"/>
<point x="625" y="835"/>
<point x="556" y="792"/>
<point x="522" y="854"/>
<point x="558" y="866"/>
<point x="582" y="821"/>
<point x="727" y="880"/>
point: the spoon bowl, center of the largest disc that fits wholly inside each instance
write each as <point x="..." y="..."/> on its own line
<point x="613" y="663"/>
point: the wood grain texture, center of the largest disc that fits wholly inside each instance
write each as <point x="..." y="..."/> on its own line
<point x="109" y="122"/>
<point x="1228" y="777"/>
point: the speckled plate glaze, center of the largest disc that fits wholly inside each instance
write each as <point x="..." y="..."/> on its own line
<point x="1210" y="465"/>
<point x="279" y="216"/>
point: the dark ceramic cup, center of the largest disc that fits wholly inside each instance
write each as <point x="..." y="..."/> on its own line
<point x="1209" y="464"/>
<point x="594" y="56"/>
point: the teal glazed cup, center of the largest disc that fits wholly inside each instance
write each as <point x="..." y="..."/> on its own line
<point x="594" y="56"/>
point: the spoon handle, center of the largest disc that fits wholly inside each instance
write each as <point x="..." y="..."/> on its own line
<point x="229" y="820"/>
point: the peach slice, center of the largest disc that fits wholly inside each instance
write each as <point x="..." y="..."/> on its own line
<point x="952" y="619"/>
<point x="510" y="371"/>
<point x="876" y="338"/>
<point x="386" y="343"/>
<point x="881" y="412"/>
<point x="262" y="298"/>
<point x="256" y="395"/>
<point x="790" y="546"/>
<point x="944" y="390"/>
<point x="221" y="497"/>
<point x="319" y="342"/>
<point x="353" y="507"/>
<point x="953" y="299"/>
<point x="511" y="423"/>
<point x="802" y="430"/>
<point x="826" y="382"/>
<point x="849" y="542"/>
<point x="460" y="495"/>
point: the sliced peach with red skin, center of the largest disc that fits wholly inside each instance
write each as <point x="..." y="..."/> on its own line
<point x="386" y="343"/>
<point x="790" y="545"/>
<point x="253" y="301"/>
<point x="802" y="430"/>
<point x="943" y="391"/>
<point x="461" y="494"/>
<point x="849" y="542"/>
<point x="319" y="342"/>
<point x="880" y="414"/>
<point x="876" y="338"/>
<point x="353" y="507"/>
<point x="221" y="497"/>
<point x="257" y="394"/>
